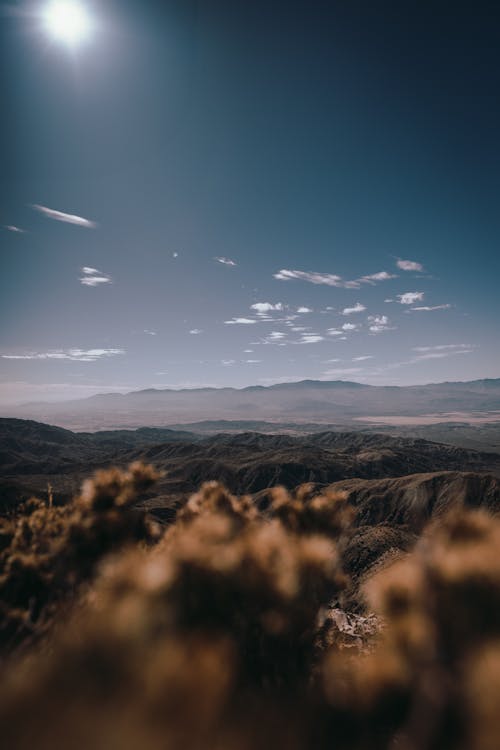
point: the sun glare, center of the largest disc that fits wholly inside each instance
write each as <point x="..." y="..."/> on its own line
<point x="67" y="21"/>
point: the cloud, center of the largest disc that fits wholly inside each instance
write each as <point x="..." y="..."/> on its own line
<point x="13" y="228"/>
<point x="426" y="308"/>
<point x="409" y="265"/>
<point x="442" y="347"/>
<point x="276" y="336"/>
<point x="66" y="218"/>
<point x="409" y="298"/>
<point x="95" y="280"/>
<point x="175" y="255"/>
<point x="358" y="307"/>
<point x="312" y="277"/>
<point x="75" y="355"/>
<point x="195" y="331"/>
<point x="334" y="332"/>
<point x="240" y="321"/>
<point x="330" y="279"/>
<point x="264" y="307"/>
<point x="311" y="338"/>
<point x="379" y="323"/>
<point x="304" y="310"/>
<point x="374" y="277"/>
<point x="253" y="361"/>
<point x="362" y="358"/>
<point x="228" y="362"/>
<point x="91" y="277"/>
<point x="225" y="261"/>
<point x="349" y="327"/>
<point x="149" y="333"/>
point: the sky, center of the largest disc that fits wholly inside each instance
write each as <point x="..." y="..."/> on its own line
<point x="233" y="193"/>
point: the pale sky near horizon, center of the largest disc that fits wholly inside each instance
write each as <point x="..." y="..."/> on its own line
<point x="222" y="193"/>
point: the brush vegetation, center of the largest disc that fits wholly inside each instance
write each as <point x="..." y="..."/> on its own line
<point x="232" y="628"/>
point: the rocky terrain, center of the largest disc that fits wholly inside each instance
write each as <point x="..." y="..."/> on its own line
<point x="391" y="480"/>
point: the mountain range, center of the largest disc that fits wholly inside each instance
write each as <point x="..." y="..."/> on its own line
<point x="339" y="402"/>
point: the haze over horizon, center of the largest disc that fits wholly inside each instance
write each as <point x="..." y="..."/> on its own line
<point x="235" y="194"/>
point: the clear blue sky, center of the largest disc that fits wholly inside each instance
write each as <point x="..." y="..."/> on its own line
<point x="222" y="155"/>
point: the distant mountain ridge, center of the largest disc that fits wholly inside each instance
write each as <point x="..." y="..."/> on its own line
<point x="304" y="401"/>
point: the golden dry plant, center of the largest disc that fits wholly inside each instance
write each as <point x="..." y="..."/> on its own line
<point x="208" y="637"/>
<point x="47" y="551"/>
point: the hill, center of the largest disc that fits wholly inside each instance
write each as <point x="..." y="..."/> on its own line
<point x="35" y="455"/>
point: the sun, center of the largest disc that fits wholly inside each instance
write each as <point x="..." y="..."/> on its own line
<point x="67" y="21"/>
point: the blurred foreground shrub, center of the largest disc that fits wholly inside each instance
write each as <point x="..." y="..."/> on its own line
<point x="220" y="635"/>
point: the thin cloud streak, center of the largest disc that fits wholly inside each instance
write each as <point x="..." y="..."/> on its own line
<point x="75" y="355"/>
<point x="51" y="213"/>
<point x="331" y="279"/>
<point x="13" y="228"/>
<point x="91" y="277"/>
<point x="431" y="308"/>
<point x="225" y="261"/>
<point x="240" y="321"/>
<point x="358" y="307"/>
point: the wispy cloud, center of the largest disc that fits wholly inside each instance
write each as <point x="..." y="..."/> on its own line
<point x="311" y="338"/>
<point x="379" y="323"/>
<point x="253" y="361"/>
<point x="240" y="322"/>
<point x="13" y="228"/>
<point x="331" y="279"/>
<point x="313" y="277"/>
<point x="443" y="348"/>
<point x="51" y="213"/>
<point x="93" y="277"/>
<point x="409" y="265"/>
<point x="149" y="333"/>
<point x="334" y="332"/>
<point x="358" y="308"/>
<point x="76" y="355"/>
<point x="228" y="362"/>
<point x="195" y="331"/>
<point x="362" y="358"/>
<point x="350" y="326"/>
<point x="373" y="278"/>
<point x="225" y="261"/>
<point x="409" y="298"/>
<point x="427" y="308"/>
<point x="304" y="310"/>
<point x="275" y="336"/>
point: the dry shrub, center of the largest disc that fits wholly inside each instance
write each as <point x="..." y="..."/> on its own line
<point x="430" y="684"/>
<point x="208" y="640"/>
<point x="46" y="552"/>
